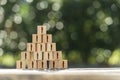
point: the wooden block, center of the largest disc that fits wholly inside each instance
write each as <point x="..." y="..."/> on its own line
<point x="41" y="29"/>
<point x="23" y="55"/>
<point x="44" y="38"/>
<point x="39" y="38"/>
<point x="34" y="38"/>
<point x="65" y="64"/>
<point x="44" y="64"/>
<point x="29" y="55"/>
<point x="53" y="46"/>
<point x="45" y="56"/>
<point x="31" y="47"/>
<point x="43" y="46"/>
<point x="39" y="47"/>
<point x="49" y="38"/>
<point x="59" y="55"/>
<point x="33" y="64"/>
<point x="48" y="45"/>
<point x="37" y="55"/>
<point x="54" y="55"/>
<point x="20" y="64"/>
<point x="51" y="64"/>
<point x="50" y="56"/>
<point x="40" y="64"/>
<point x="60" y="64"/>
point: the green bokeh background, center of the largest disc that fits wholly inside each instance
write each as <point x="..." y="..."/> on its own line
<point x="87" y="31"/>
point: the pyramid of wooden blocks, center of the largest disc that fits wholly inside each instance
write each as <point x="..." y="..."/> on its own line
<point x="41" y="53"/>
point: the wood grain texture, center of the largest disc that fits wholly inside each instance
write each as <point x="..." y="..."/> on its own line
<point x="67" y="74"/>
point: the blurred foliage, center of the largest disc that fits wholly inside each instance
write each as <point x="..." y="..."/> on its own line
<point x="87" y="31"/>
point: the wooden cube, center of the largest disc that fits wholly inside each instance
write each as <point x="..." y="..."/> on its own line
<point x="48" y="45"/>
<point x="50" y="56"/>
<point x="45" y="56"/>
<point x="39" y="38"/>
<point x="33" y="64"/>
<point x="41" y="29"/>
<point x="43" y="46"/>
<point x="60" y="64"/>
<point x="37" y="55"/>
<point x="52" y="64"/>
<point x="29" y="55"/>
<point x="20" y="64"/>
<point x="31" y="47"/>
<point x="44" y="38"/>
<point x="34" y="38"/>
<point x="59" y="55"/>
<point x="54" y="54"/>
<point x="42" y="64"/>
<point x="23" y="55"/>
<point x="49" y="38"/>
<point x="39" y="47"/>
<point x="65" y="64"/>
<point x="53" y="46"/>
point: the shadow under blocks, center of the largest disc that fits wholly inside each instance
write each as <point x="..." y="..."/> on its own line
<point x="41" y="53"/>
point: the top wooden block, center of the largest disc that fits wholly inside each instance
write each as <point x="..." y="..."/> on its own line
<point x="41" y="29"/>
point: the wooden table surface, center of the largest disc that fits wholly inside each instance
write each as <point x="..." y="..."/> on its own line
<point x="67" y="74"/>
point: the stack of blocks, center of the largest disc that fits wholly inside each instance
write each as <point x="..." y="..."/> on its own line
<point x="41" y="53"/>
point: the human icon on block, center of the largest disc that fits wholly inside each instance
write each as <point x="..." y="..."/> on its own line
<point x="41" y="53"/>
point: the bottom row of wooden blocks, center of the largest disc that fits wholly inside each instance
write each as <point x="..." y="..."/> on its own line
<point x="42" y="64"/>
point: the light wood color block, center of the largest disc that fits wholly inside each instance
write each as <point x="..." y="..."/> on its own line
<point x="60" y="66"/>
<point x="51" y="47"/>
<point x="23" y="55"/>
<point x="40" y="64"/>
<point x="43" y="46"/>
<point x="49" y="38"/>
<point x="34" y="38"/>
<point x="37" y="55"/>
<point x="44" y="64"/>
<point x="44" y="38"/>
<point x="65" y="64"/>
<point x="20" y="64"/>
<point x="59" y="55"/>
<point x="45" y="56"/>
<point x="48" y="45"/>
<point x="33" y="64"/>
<point x="51" y="64"/>
<point x="39" y="47"/>
<point x="31" y="47"/>
<point x="41" y="29"/>
<point x="50" y="56"/>
<point x="39" y="38"/>
<point x="29" y="55"/>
